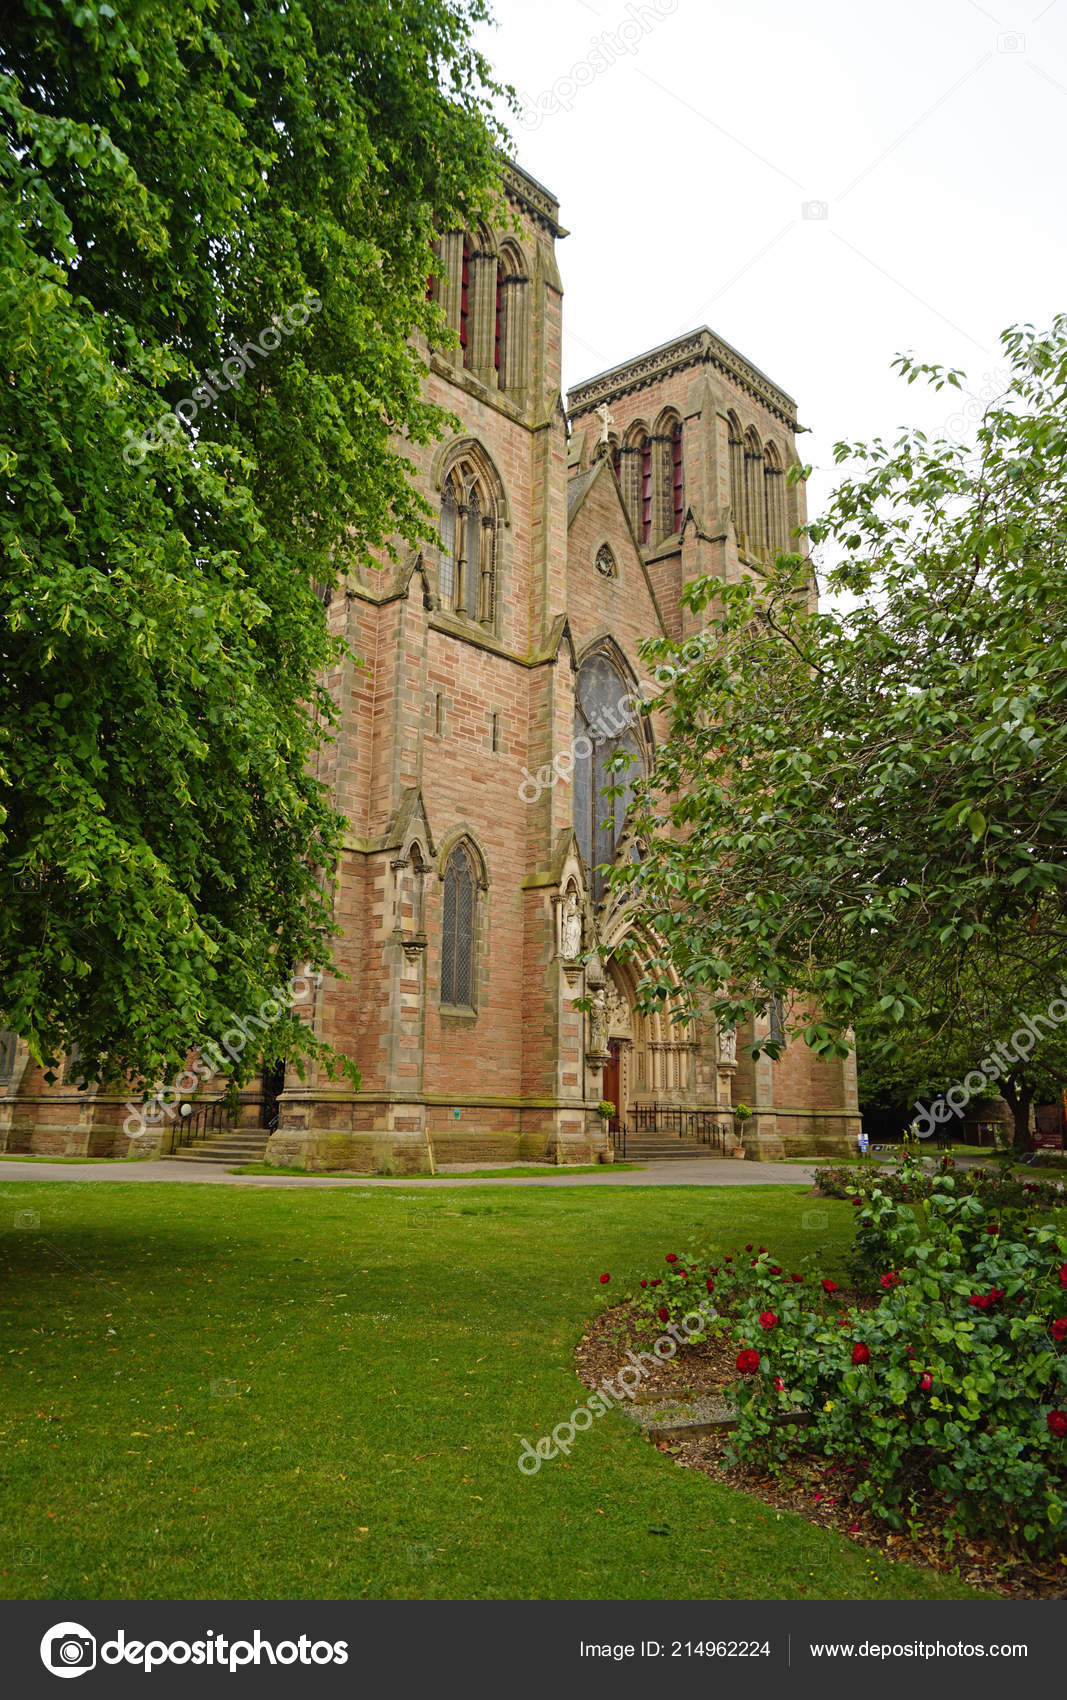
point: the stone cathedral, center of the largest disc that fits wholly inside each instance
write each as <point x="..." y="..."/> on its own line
<point x="497" y="672"/>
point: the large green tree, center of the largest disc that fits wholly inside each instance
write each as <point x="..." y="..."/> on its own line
<point x="866" y="809"/>
<point x="215" y="223"/>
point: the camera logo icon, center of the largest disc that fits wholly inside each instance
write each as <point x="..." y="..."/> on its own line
<point x="817" y="210"/>
<point x="68" y="1649"/>
<point x="1011" y="42"/>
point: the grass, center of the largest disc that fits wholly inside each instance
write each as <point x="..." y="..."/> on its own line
<point x="238" y="1392"/>
<point x="522" y="1171"/>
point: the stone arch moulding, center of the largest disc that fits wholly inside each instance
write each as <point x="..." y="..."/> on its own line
<point x="475" y="451"/>
<point x="459" y="833"/>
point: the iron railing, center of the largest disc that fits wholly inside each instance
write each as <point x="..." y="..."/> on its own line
<point x="700" y="1127"/>
<point x="214" y="1117"/>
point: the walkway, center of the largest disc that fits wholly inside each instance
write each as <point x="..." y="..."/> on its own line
<point x="676" y="1172"/>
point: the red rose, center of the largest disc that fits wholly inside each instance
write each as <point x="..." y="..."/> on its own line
<point x="890" y="1280"/>
<point x="748" y="1248"/>
<point x="1058" y="1329"/>
<point x="995" y="1293"/>
<point x="992" y="1227"/>
<point x="730" y="1260"/>
<point x="761" y="1248"/>
<point x="768" y="1319"/>
<point x="779" y="1384"/>
<point x="829" y="1286"/>
<point x="1057" y="1424"/>
<point x="796" y="1277"/>
<point x="775" y="1269"/>
<point x="861" y="1354"/>
<point x="663" y="1313"/>
<point x="672" y="1257"/>
<point x="910" y="1351"/>
<point x="857" y="1199"/>
<point x="709" y="1284"/>
<point x="656" y="1282"/>
<point x="713" y="1269"/>
<point x="1063" y="1274"/>
<point x="644" y="1283"/>
<point x="604" y="1278"/>
<point x="926" y="1382"/>
<point x="748" y="1362"/>
<point x="980" y="1301"/>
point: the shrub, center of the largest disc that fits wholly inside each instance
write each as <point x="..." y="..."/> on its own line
<point x="955" y="1380"/>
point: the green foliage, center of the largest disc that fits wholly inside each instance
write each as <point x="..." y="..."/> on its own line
<point x="1001" y="1191"/>
<point x="866" y="810"/>
<point x="176" y="179"/>
<point x="605" y="1109"/>
<point x="956" y="1380"/>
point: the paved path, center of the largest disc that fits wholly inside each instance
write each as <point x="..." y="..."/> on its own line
<point x="700" y="1172"/>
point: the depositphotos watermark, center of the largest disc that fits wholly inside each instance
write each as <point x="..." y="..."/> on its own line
<point x="999" y="1062"/>
<point x="210" y="1060"/>
<point x="69" y="1649"/>
<point x="169" y="425"/>
<point x="606" y="1395"/>
<point x="605" y="50"/>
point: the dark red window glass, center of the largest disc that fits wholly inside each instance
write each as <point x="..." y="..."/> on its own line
<point x="677" y="478"/>
<point x="499" y="322"/>
<point x="646" y="490"/>
<point x="464" y="300"/>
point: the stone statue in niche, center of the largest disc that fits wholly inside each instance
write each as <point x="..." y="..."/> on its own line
<point x="598" y="1022"/>
<point x="727" y="1044"/>
<point x="571" y="928"/>
<point x="606" y="420"/>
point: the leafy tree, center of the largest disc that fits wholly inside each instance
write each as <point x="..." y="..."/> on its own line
<point x="214" y="231"/>
<point x="869" y="807"/>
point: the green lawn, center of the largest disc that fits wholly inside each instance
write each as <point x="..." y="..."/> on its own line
<point x="230" y="1392"/>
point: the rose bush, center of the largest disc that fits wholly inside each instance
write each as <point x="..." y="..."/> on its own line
<point x="951" y="1379"/>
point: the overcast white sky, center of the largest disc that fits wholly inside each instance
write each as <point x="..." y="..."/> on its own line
<point x="686" y="171"/>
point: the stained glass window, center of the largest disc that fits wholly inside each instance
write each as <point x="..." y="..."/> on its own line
<point x="605" y="723"/>
<point x="458" y="929"/>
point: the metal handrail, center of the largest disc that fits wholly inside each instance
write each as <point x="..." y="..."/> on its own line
<point x="701" y="1126"/>
<point x="213" y="1117"/>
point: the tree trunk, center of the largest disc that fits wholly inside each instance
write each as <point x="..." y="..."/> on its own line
<point x="1018" y="1096"/>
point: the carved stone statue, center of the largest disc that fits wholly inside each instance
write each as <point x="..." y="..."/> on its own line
<point x="598" y="1022"/>
<point x="727" y="1044"/>
<point x="605" y="420"/>
<point x="618" y="1009"/>
<point x="571" y="928"/>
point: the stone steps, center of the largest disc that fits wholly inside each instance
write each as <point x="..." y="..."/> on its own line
<point x="235" y="1145"/>
<point x="645" y="1149"/>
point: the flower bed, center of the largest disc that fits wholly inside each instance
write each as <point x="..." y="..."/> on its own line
<point x="938" y="1395"/>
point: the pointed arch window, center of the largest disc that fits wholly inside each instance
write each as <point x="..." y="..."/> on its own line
<point x="471" y="501"/>
<point x="737" y="473"/>
<point x="446" y="572"/>
<point x="644" y="529"/>
<point x="774" y="521"/>
<point x="677" y="478"/>
<point x="459" y="928"/>
<point x="754" y="499"/>
<point x="604" y="724"/>
<point x="606" y="564"/>
<point x="464" y="302"/>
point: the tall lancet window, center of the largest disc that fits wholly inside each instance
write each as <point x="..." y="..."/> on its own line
<point x="459" y="928"/>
